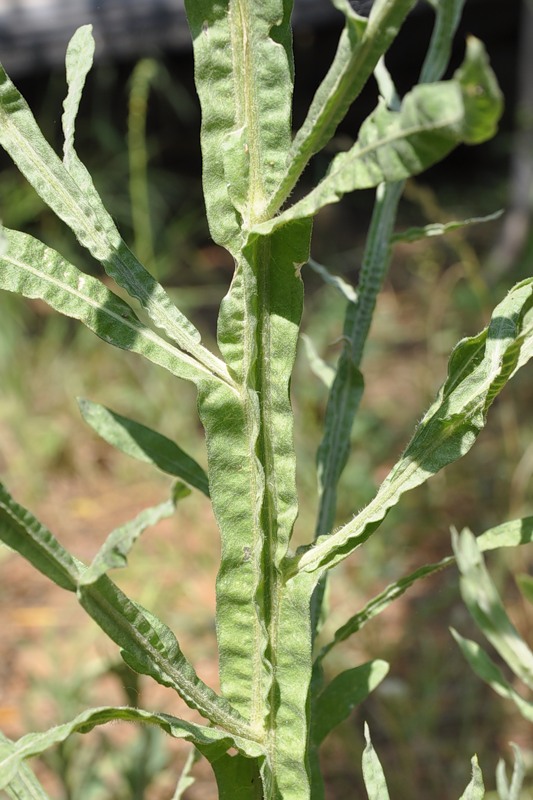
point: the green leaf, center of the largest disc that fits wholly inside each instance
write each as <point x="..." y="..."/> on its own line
<point x="448" y="14"/>
<point x="34" y="270"/>
<point x="478" y="370"/>
<point x="380" y="602"/>
<point x="78" y="62"/>
<point x="373" y="775"/>
<point x="511" y="791"/>
<point x="24" y="785"/>
<point x="485" y="606"/>
<point x="487" y="670"/>
<point x="148" y="645"/>
<point x="22" y="532"/>
<point x="186" y="779"/>
<point x="140" y="442"/>
<point x="361" y="45"/>
<point x="79" y="206"/>
<point x="211" y="742"/>
<point x="441" y="228"/>
<point x="476" y="788"/>
<point x="245" y="94"/>
<point x="347" y="291"/>
<point x="114" y="552"/>
<point x="393" y="145"/>
<point x="238" y="778"/>
<point x="289" y="724"/>
<point x="509" y="534"/>
<point x="318" y="366"/>
<point x="346" y="691"/>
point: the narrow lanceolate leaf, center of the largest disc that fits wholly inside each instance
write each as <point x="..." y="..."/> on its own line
<point x="243" y="77"/>
<point x="74" y="199"/>
<point x="345" y="692"/>
<point x="513" y="790"/>
<point x="22" y="532"/>
<point x="361" y="45"/>
<point x="478" y="370"/>
<point x="484" y="604"/>
<point x="441" y="228"/>
<point x="373" y="775"/>
<point x="392" y="145"/>
<point x="148" y="645"/>
<point x="32" y="269"/>
<point x="140" y="442"/>
<point x="509" y="534"/>
<point x="114" y="552"/>
<point x="78" y="62"/>
<point x="488" y="671"/>
<point x="318" y="366"/>
<point x="342" y="286"/>
<point x="24" y="785"/>
<point x="476" y="788"/>
<point x="212" y="743"/>
<point x="251" y="457"/>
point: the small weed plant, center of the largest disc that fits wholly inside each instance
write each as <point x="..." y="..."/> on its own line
<point x="263" y="730"/>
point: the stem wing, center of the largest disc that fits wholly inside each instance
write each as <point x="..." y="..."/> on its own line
<point x="140" y="442"/>
<point x="211" y="742"/>
<point x="251" y="457"/>
<point x="32" y="269"/>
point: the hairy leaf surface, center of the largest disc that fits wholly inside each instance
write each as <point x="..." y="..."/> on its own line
<point x="80" y="207"/>
<point x="243" y="70"/>
<point x="478" y="370"/>
<point x="476" y="788"/>
<point x="211" y="742"/>
<point x="23" y="785"/>
<point x="32" y="269"/>
<point x="148" y="645"/>
<point x="393" y="145"/>
<point x="251" y="455"/>
<point x="361" y="44"/>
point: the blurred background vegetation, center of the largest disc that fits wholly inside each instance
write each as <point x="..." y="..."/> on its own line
<point x="138" y="134"/>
